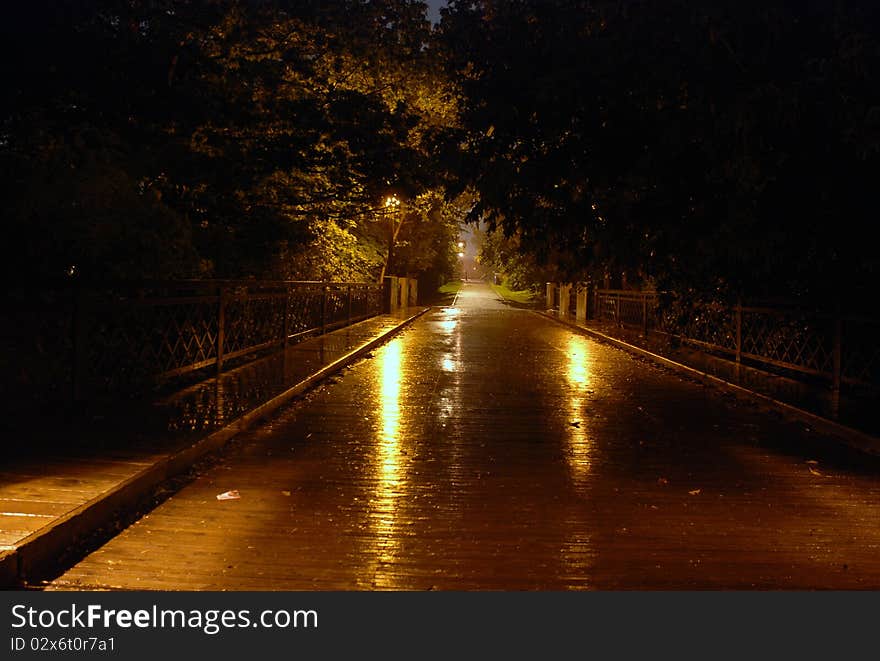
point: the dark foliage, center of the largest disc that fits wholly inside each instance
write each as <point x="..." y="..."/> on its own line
<point x="725" y="148"/>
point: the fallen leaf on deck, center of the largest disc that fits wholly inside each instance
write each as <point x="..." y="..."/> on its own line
<point x="695" y="492"/>
<point x="229" y="495"/>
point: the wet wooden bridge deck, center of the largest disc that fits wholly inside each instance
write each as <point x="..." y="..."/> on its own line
<point x="489" y="448"/>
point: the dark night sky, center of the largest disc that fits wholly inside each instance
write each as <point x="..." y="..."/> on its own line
<point x="434" y="9"/>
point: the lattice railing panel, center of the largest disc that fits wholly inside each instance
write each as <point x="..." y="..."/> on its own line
<point x="74" y="340"/>
<point x="792" y="339"/>
<point x="711" y="324"/>
<point x="253" y="321"/>
<point x="183" y="335"/>
<point x="132" y="340"/>
<point x="304" y="308"/>
<point x="336" y="306"/>
<point x="366" y="299"/>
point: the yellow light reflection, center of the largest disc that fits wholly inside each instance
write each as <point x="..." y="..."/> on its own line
<point x="448" y="325"/>
<point x="451" y="321"/>
<point x="388" y="456"/>
<point x="577" y="553"/>
<point x="578" y="557"/>
<point x="389" y="394"/>
<point x="579" y="444"/>
<point x="577" y="361"/>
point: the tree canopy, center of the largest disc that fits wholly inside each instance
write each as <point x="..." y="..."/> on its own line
<point x="725" y="148"/>
<point x="215" y="138"/>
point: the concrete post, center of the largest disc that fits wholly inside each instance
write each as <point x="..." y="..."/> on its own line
<point x="550" y="286"/>
<point x="581" y="309"/>
<point x="403" y="292"/>
<point x="413" y="291"/>
<point x="390" y="302"/>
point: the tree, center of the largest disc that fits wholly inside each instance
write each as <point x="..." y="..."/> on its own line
<point x="714" y="148"/>
<point x="226" y="138"/>
<point x="78" y="142"/>
<point x="516" y="266"/>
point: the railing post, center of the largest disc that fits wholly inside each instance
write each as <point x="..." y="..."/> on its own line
<point x="739" y="325"/>
<point x="645" y="315"/>
<point x="837" y="359"/>
<point x="324" y="293"/>
<point x="549" y="295"/>
<point x="286" y="315"/>
<point x="617" y="309"/>
<point x="221" y="327"/>
<point x="349" y="305"/>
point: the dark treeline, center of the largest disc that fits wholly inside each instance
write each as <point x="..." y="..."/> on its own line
<point x="725" y="148"/>
<point x="200" y="138"/>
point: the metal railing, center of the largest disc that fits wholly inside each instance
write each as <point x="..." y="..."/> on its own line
<point x="627" y="307"/>
<point x="838" y="348"/>
<point x="113" y="338"/>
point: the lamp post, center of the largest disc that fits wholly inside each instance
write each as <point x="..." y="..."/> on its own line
<point x="392" y="204"/>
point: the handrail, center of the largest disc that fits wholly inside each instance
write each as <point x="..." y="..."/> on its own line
<point x="839" y="346"/>
<point x="117" y="336"/>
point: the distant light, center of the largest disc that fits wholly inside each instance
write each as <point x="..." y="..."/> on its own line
<point x="461" y="244"/>
<point x="461" y="254"/>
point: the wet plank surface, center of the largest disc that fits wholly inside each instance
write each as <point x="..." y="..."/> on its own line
<point x="489" y="448"/>
<point x="41" y="482"/>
